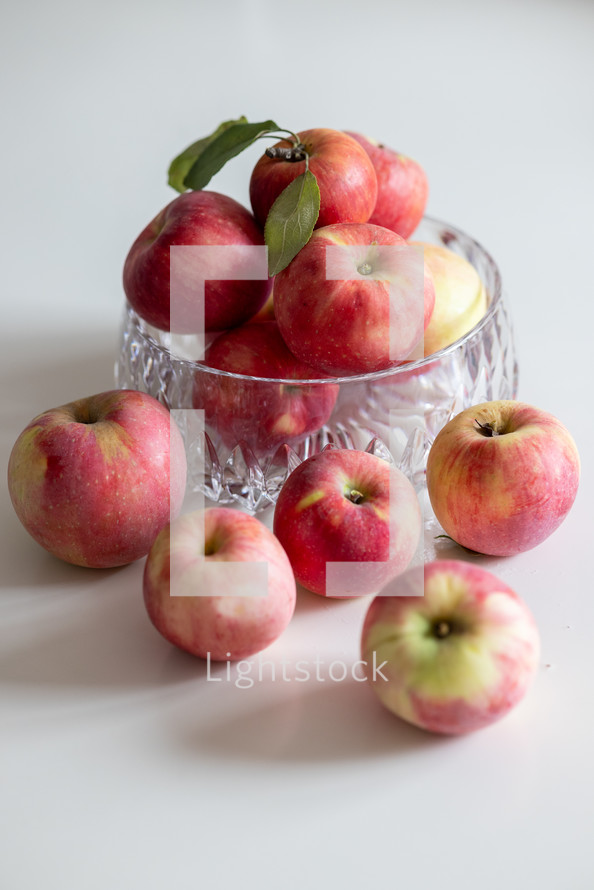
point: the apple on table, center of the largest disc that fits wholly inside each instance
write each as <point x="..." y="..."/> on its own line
<point x="349" y="521"/>
<point x="218" y="584"/>
<point x="502" y="476"/>
<point x="91" y="480"/>
<point x="457" y="648"/>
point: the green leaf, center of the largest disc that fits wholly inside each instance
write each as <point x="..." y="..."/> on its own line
<point x="291" y="220"/>
<point x="182" y="164"/>
<point x="222" y="148"/>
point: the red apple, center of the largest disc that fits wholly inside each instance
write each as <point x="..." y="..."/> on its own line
<point x="218" y="584"/>
<point x="262" y="413"/>
<point x="353" y="300"/>
<point x="458" y="657"/>
<point x="349" y="522"/>
<point x="502" y="476"/>
<point x="344" y="172"/>
<point x="91" y="480"/>
<point x="402" y="187"/>
<point x="198" y="219"/>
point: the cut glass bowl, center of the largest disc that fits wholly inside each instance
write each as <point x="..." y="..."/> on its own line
<point x="233" y="457"/>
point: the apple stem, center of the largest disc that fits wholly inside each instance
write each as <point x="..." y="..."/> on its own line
<point x="85" y="415"/>
<point x="211" y="546"/>
<point x="442" y="630"/>
<point x="355" y="496"/>
<point x="294" y="153"/>
<point x="486" y="429"/>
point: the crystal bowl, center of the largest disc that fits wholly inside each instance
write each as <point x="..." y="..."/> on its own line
<point x="252" y="432"/>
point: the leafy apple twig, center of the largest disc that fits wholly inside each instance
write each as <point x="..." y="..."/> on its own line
<point x="291" y="219"/>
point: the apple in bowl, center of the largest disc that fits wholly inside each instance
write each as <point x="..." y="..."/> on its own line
<point x="457" y="648"/>
<point x="344" y="173"/>
<point x="218" y="584"/>
<point x="460" y="297"/>
<point x="95" y="481"/>
<point x="349" y="521"/>
<point x="264" y="413"/>
<point x="402" y="187"/>
<point x="354" y="300"/>
<point x="204" y="299"/>
<point x="502" y="476"/>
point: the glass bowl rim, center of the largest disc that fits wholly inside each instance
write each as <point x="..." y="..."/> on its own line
<point x="403" y="368"/>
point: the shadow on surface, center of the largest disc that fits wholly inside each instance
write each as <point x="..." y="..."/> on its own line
<point x="319" y="722"/>
<point x="94" y="635"/>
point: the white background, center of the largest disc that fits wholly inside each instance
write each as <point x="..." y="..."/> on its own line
<point x="121" y="765"/>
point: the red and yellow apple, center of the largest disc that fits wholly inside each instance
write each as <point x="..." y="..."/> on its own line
<point x="353" y="300"/>
<point x="502" y="476"/>
<point x="202" y="301"/>
<point x="349" y="522"/>
<point x="455" y="659"/>
<point x="261" y="412"/>
<point x="218" y="584"/>
<point x="402" y="187"/>
<point x="344" y="173"/>
<point x="91" y="480"/>
<point x="460" y="297"/>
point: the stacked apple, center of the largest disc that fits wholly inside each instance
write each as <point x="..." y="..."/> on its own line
<point x="331" y="212"/>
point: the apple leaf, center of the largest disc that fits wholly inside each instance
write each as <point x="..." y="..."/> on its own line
<point x="183" y="163"/>
<point x="221" y="148"/>
<point x="291" y="220"/>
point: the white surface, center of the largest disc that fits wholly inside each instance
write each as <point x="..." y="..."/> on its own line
<point x="122" y="765"/>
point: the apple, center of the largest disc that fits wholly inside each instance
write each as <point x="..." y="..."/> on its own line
<point x="458" y="657"/>
<point x="502" y="476"/>
<point x="350" y="301"/>
<point x="344" y="172"/>
<point x="262" y="413"/>
<point x="201" y="219"/>
<point x="218" y="584"/>
<point x="91" y="480"/>
<point x="349" y="522"/>
<point x="460" y="297"/>
<point x="402" y="187"/>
